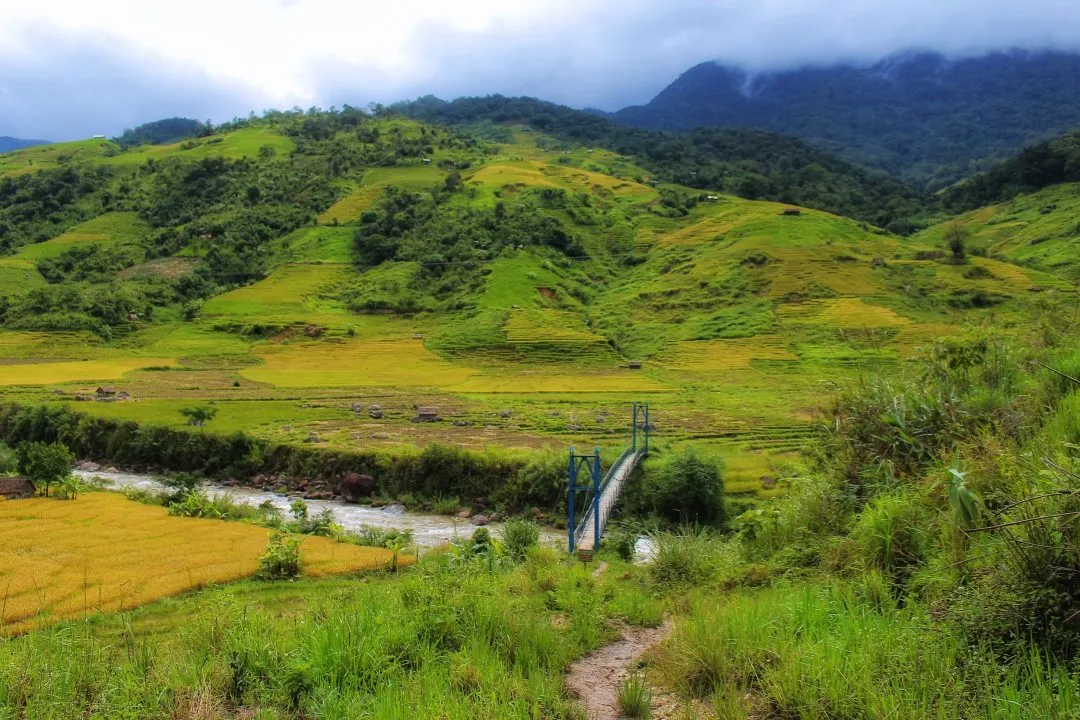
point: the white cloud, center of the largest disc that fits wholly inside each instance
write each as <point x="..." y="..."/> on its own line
<point x="250" y="54"/>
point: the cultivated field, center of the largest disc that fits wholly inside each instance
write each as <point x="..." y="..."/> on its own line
<point x="104" y="553"/>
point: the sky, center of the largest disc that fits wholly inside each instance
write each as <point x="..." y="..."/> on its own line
<point x="74" y="68"/>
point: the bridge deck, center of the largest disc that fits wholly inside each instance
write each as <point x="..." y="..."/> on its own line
<point x="608" y="498"/>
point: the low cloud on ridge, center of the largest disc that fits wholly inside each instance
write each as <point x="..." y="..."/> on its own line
<point x="63" y="78"/>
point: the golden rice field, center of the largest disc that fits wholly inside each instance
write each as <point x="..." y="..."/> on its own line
<point x="721" y="355"/>
<point x="354" y="363"/>
<point x="840" y="313"/>
<point x="63" y="559"/>
<point x="50" y="373"/>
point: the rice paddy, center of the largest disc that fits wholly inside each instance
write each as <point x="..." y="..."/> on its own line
<point x="105" y="553"/>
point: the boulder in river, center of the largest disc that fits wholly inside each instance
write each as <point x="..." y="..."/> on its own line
<point x="480" y="519"/>
<point x="354" y="487"/>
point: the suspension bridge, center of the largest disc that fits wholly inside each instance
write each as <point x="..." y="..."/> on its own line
<point x="599" y="490"/>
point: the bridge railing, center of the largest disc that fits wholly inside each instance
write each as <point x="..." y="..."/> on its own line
<point x="587" y="522"/>
<point x="594" y="511"/>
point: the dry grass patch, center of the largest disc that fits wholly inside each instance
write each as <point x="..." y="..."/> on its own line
<point x="104" y="553"/>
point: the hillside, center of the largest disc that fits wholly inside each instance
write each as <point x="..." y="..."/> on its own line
<point x="290" y="268"/>
<point x="924" y="118"/>
<point x="752" y="164"/>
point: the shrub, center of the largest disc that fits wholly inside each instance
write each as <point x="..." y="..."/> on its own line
<point x="9" y="460"/>
<point x="282" y="558"/>
<point x="622" y="542"/>
<point x="519" y="536"/>
<point x="382" y="537"/>
<point x="685" y="558"/>
<point x="890" y="536"/>
<point x="445" y="505"/>
<point x="685" y="488"/>
<point x="635" y="699"/>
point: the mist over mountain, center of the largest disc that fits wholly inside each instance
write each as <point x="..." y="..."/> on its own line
<point x="922" y="116"/>
<point x="7" y="144"/>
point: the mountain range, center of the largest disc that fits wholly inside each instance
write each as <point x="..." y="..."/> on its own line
<point x="8" y="144"/>
<point x="923" y="117"/>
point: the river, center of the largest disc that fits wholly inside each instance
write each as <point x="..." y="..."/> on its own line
<point x="428" y="530"/>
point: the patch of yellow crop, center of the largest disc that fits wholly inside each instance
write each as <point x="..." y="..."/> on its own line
<point x="500" y="174"/>
<point x="103" y="553"/>
<point x="349" y="208"/>
<point x="615" y="382"/>
<point x="285" y="296"/>
<point x="50" y="373"/>
<point x="24" y="344"/>
<point x="411" y="177"/>
<point x="400" y="363"/>
<point x="525" y="326"/>
<point x="918" y="337"/>
<point x="798" y="270"/>
<point x="719" y="355"/>
<point x="840" y="313"/>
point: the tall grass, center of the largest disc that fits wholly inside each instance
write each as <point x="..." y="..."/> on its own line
<point x="831" y="652"/>
<point x="450" y="639"/>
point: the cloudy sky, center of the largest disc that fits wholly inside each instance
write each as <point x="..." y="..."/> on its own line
<point x="73" y="68"/>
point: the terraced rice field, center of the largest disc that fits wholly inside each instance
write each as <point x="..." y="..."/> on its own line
<point x="391" y="363"/>
<point x="51" y="373"/>
<point x="103" y="553"/>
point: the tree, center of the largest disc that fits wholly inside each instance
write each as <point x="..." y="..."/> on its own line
<point x="200" y="415"/>
<point x="44" y="464"/>
<point x="956" y="237"/>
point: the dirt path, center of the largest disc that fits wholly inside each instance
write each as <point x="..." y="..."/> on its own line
<point x="597" y="677"/>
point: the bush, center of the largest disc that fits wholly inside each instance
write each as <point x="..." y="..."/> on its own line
<point x="890" y="535"/>
<point x="685" y="558"/>
<point x="282" y="558"/>
<point x="623" y="542"/>
<point x="9" y="460"/>
<point x="685" y="488"/>
<point x="520" y="536"/>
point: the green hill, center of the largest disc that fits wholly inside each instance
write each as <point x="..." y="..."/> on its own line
<point x="291" y="267"/>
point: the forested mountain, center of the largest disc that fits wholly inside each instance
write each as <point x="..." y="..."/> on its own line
<point x="749" y="163"/>
<point x="921" y="116"/>
<point x="1035" y="168"/>
<point x="7" y="144"/>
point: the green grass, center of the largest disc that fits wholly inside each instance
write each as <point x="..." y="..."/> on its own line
<point x="1038" y="230"/>
<point x="108" y="230"/>
<point x="450" y="639"/>
<point x="46" y="157"/>
<point x="833" y="650"/>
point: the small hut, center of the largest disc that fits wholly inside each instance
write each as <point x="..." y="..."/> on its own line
<point x="427" y="414"/>
<point x="105" y="392"/>
<point x="634" y="365"/>
<point x="792" y="211"/>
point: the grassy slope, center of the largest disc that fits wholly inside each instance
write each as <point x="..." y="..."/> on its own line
<point x="1040" y="230"/>
<point x="739" y="311"/>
